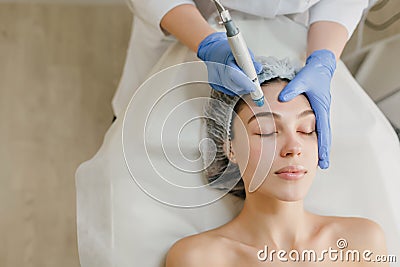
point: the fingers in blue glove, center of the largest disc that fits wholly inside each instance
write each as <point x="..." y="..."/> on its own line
<point x="324" y="138"/>
<point x="314" y="81"/>
<point x="240" y="81"/>
<point x="229" y="80"/>
<point x="291" y="90"/>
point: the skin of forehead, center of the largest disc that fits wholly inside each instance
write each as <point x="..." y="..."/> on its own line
<point x="271" y="92"/>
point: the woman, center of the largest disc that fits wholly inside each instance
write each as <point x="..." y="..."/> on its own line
<point x="331" y="25"/>
<point x="275" y="149"/>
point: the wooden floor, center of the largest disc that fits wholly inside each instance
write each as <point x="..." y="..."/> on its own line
<point x="59" y="67"/>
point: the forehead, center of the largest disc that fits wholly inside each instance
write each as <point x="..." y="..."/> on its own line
<point x="272" y="104"/>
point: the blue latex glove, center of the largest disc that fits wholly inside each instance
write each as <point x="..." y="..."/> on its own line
<point x="226" y="77"/>
<point x="314" y="81"/>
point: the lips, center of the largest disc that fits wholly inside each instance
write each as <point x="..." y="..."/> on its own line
<point x="292" y="169"/>
<point x="293" y="172"/>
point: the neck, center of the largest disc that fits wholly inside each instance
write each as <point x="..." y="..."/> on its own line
<point x="280" y="223"/>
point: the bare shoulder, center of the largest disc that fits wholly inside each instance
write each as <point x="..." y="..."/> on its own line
<point x="205" y="249"/>
<point x="361" y="233"/>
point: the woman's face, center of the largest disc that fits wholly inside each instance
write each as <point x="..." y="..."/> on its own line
<point x="276" y="147"/>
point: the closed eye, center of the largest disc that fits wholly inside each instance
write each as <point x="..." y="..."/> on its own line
<point x="307" y="133"/>
<point x="271" y="134"/>
<point x="268" y="134"/>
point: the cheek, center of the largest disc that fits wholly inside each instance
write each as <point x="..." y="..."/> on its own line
<point x="262" y="148"/>
<point x="311" y="147"/>
<point x="259" y="157"/>
<point x="254" y="154"/>
<point x="242" y="150"/>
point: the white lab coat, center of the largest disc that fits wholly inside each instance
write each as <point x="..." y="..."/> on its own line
<point x="148" y="42"/>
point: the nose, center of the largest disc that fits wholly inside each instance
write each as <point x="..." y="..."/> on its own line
<point x="291" y="146"/>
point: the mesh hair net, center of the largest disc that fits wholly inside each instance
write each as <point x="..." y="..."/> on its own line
<point x="218" y="111"/>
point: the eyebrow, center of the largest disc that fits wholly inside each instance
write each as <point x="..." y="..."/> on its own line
<point x="277" y="116"/>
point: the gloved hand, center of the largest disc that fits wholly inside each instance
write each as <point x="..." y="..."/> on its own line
<point x="314" y="80"/>
<point x="226" y="77"/>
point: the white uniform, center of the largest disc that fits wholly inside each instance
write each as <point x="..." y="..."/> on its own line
<point x="148" y="42"/>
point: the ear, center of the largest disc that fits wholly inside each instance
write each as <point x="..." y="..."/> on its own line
<point x="229" y="152"/>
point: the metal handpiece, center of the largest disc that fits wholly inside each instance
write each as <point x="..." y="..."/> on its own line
<point x="240" y="52"/>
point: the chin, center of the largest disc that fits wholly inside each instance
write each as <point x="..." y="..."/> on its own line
<point x="290" y="197"/>
<point x="292" y="194"/>
<point x="290" y="191"/>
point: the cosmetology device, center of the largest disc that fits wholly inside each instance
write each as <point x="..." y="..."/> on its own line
<point x="240" y="52"/>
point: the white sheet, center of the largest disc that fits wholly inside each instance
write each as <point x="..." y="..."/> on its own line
<point x="120" y="225"/>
